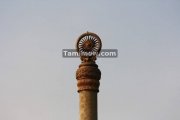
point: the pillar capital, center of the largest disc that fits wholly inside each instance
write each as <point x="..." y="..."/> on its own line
<point x="88" y="76"/>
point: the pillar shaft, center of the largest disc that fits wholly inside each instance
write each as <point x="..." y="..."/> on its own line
<point x="88" y="76"/>
<point x="88" y="105"/>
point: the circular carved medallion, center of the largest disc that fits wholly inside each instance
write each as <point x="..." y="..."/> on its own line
<point x="89" y="43"/>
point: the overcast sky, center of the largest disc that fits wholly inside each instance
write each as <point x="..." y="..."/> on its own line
<point x="142" y="83"/>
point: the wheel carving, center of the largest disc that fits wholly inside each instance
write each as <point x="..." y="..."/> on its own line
<point x="88" y="42"/>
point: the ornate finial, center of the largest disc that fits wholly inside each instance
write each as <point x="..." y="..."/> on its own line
<point x="88" y="46"/>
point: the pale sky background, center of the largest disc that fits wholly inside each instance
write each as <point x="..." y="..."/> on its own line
<point x="143" y="83"/>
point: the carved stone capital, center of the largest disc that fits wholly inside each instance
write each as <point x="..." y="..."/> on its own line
<point x="88" y="76"/>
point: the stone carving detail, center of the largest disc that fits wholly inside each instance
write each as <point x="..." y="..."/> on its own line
<point x="88" y="84"/>
<point x="88" y="76"/>
<point x="88" y="72"/>
<point x="88" y="59"/>
<point x="88" y="46"/>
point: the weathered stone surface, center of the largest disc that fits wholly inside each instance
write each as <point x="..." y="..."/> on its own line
<point x="88" y="76"/>
<point x="88" y="105"/>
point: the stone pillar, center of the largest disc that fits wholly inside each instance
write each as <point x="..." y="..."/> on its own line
<point x="88" y="76"/>
<point x="88" y="105"/>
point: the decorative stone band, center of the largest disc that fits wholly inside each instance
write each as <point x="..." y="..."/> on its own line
<point x="88" y="84"/>
<point x="88" y="76"/>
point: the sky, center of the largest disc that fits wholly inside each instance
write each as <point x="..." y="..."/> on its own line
<point x="142" y="83"/>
